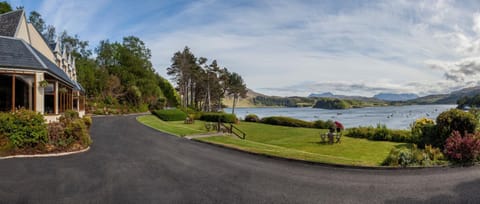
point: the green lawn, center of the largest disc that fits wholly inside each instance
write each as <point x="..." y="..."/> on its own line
<point x="175" y="127"/>
<point x="295" y="143"/>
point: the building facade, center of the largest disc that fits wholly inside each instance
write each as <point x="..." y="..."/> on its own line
<point x="34" y="74"/>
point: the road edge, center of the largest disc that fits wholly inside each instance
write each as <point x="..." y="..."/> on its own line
<point x="45" y="155"/>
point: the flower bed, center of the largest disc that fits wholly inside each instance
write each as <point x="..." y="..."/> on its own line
<point x="25" y="132"/>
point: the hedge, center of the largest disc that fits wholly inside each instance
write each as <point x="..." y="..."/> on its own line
<point x="252" y="118"/>
<point x="286" y="121"/>
<point x="170" y="115"/>
<point x="222" y="117"/>
<point x="381" y="133"/>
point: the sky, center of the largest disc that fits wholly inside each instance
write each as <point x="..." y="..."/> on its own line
<point x="294" y="48"/>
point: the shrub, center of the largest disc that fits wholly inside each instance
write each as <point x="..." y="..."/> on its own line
<point x="88" y="121"/>
<point x="400" y="136"/>
<point x="424" y="131"/>
<point x="68" y="117"/>
<point x="77" y="130"/>
<point x="460" y="149"/>
<point x="320" y="124"/>
<point x="222" y="117"/>
<point x="71" y="115"/>
<point x="170" y="115"/>
<point x="252" y="118"/>
<point x="56" y="134"/>
<point x="286" y="121"/>
<point x="380" y="133"/>
<point x="159" y="104"/>
<point x="413" y="156"/>
<point x="24" y="128"/>
<point x="453" y="120"/>
<point x="99" y="112"/>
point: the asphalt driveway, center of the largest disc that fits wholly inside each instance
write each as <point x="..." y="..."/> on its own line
<point x="131" y="163"/>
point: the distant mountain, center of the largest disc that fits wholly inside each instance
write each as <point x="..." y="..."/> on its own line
<point x="396" y="97"/>
<point x="358" y="98"/>
<point x="322" y="95"/>
<point x="255" y="99"/>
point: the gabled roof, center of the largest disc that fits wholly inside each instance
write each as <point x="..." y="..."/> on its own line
<point x="9" y="22"/>
<point x="53" y="69"/>
<point x="16" y="53"/>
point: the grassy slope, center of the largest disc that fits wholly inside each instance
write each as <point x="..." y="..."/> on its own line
<point x="295" y="143"/>
<point x="304" y="144"/>
<point x="175" y="127"/>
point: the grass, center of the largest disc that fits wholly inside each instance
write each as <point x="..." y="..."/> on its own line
<point x="288" y="142"/>
<point x="177" y="128"/>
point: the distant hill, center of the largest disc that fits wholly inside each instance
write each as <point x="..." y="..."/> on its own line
<point x="244" y="102"/>
<point x="450" y="98"/>
<point x="396" y="97"/>
<point x="357" y="98"/>
<point x="255" y="99"/>
<point x="322" y="95"/>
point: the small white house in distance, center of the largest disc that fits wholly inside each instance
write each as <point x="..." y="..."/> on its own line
<point x="34" y="74"/>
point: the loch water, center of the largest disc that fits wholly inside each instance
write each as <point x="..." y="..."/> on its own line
<point x="395" y="117"/>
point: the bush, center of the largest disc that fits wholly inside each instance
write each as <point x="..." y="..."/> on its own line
<point x="400" y="136"/>
<point x="453" y="120"/>
<point x="413" y="156"/>
<point x="69" y="116"/>
<point x="24" y="128"/>
<point x="222" y="117"/>
<point x="170" y="115"/>
<point x="252" y="118"/>
<point x="56" y="134"/>
<point x="424" y="131"/>
<point x="286" y="121"/>
<point x="77" y="130"/>
<point x="381" y="133"/>
<point x="88" y="121"/>
<point x="159" y="104"/>
<point x="320" y="124"/>
<point x="464" y="150"/>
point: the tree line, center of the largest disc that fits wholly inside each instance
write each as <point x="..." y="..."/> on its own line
<point x="202" y="85"/>
<point x="469" y="101"/>
<point x="121" y="73"/>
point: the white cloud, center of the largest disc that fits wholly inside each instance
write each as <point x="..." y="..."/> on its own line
<point x="276" y="45"/>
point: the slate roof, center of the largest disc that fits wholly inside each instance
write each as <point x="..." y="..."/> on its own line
<point x="9" y="23"/>
<point x="15" y="53"/>
<point x="53" y="68"/>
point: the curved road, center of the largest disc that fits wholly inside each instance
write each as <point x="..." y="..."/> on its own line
<point x="131" y="163"/>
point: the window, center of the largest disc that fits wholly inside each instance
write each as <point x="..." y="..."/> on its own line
<point x="65" y="99"/>
<point x="75" y="104"/>
<point x="6" y="92"/>
<point x="24" y="91"/>
<point x="17" y="91"/>
<point x="49" y="103"/>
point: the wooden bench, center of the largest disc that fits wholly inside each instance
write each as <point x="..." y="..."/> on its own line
<point x="189" y="121"/>
<point x="336" y="137"/>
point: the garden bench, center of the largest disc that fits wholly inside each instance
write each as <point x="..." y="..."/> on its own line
<point x="189" y="121"/>
<point x="336" y="136"/>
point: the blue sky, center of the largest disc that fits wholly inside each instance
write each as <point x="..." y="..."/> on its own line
<point x="287" y="47"/>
